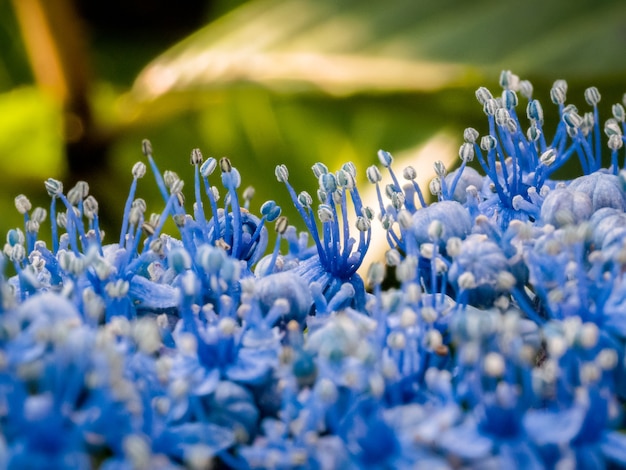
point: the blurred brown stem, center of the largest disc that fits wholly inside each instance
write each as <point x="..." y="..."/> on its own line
<point x="57" y="50"/>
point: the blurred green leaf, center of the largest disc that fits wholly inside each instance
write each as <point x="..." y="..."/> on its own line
<point x="290" y="45"/>
<point x="31" y="143"/>
<point x="14" y="68"/>
<point x="31" y="150"/>
<point x="351" y="46"/>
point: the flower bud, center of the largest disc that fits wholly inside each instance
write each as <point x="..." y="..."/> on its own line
<point x="385" y="158"/>
<point x="373" y="174"/>
<point x="466" y="152"/>
<point x="592" y="96"/>
<point x="139" y="170"/>
<point x="208" y="167"/>
<point x="483" y="95"/>
<point x="196" y="157"/>
<point x="470" y="135"/>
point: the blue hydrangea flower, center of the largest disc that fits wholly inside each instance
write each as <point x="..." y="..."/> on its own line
<point x="500" y="343"/>
<point x="338" y="254"/>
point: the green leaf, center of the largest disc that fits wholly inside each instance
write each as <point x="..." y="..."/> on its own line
<point x="349" y="46"/>
<point x="291" y="45"/>
<point x="31" y="150"/>
<point x="31" y="142"/>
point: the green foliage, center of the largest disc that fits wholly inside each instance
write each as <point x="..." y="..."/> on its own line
<point x="13" y="64"/>
<point x="31" y="147"/>
<point x="31" y="129"/>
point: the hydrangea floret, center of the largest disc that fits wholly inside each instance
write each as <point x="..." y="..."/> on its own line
<point x="493" y="335"/>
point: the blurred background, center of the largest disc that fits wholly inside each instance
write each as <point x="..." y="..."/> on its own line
<point x="273" y="81"/>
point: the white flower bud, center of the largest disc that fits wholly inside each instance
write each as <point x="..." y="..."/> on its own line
<point x="396" y="340"/>
<point x="466" y="152"/>
<point x="590" y="373"/>
<point x="470" y="135"/>
<point x="607" y="359"/>
<point x="592" y="96"/>
<point x="147" y="336"/>
<point x="427" y="250"/>
<point x="556" y="346"/>
<point x="413" y="292"/>
<point x="406" y="270"/>
<point x="588" y="335"/>
<point x="505" y="280"/>
<point x="405" y="219"/>
<point x="483" y="95"/>
<point x="548" y="157"/>
<point x="139" y="170"/>
<point x="282" y="174"/>
<point x="440" y="169"/>
<point x="494" y="365"/>
<point x="429" y="314"/>
<point x="467" y="281"/>
<point x="22" y="204"/>
<point x="325" y="213"/>
<point x="408" y="317"/>
<point x="488" y="142"/>
<point x="612" y="127"/>
<point x="558" y="92"/>
<point x="385" y="158"/>
<point x="434" y="340"/>
<point x="453" y="246"/>
<point x="526" y="89"/>
<point x="392" y="257"/>
<point x="435" y="230"/>
<point x="618" y="112"/>
<point x="227" y="326"/>
<point x="373" y="174"/>
<point x="375" y="274"/>
<point x="409" y="173"/>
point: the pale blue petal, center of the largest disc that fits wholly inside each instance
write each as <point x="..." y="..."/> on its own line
<point x="547" y="427"/>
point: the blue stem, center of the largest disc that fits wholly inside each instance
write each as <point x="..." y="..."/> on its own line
<point x="158" y="177"/>
<point x="272" y="263"/>
<point x="128" y="205"/>
<point x="457" y="177"/>
<point x="53" y="225"/>
<point x="199" y="211"/>
<point x="596" y="131"/>
<point x="214" y="210"/>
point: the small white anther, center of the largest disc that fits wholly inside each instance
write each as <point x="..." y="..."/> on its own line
<point x="494" y="365"/>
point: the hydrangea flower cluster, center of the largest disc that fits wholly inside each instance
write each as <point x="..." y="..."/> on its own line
<point x="501" y="344"/>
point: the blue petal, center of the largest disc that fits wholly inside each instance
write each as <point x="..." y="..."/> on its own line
<point x="148" y="295"/>
<point x="589" y="458"/>
<point x="251" y="367"/>
<point x="465" y="442"/>
<point x="288" y="286"/>
<point x="547" y="427"/>
<point x="520" y="455"/>
<point x="177" y="439"/>
<point x="602" y="188"/>
<point x="613" y="446"/>
<point x="233" y="405"/>
<point x="205" y="381"/>
<point x="614" y="318"/>
<point x="576" y="203"/>
<point x="454" y="217"/>
<point x="52" y="306"/>
<point x="331" y="453"/>
<point x="4" y="452"/>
